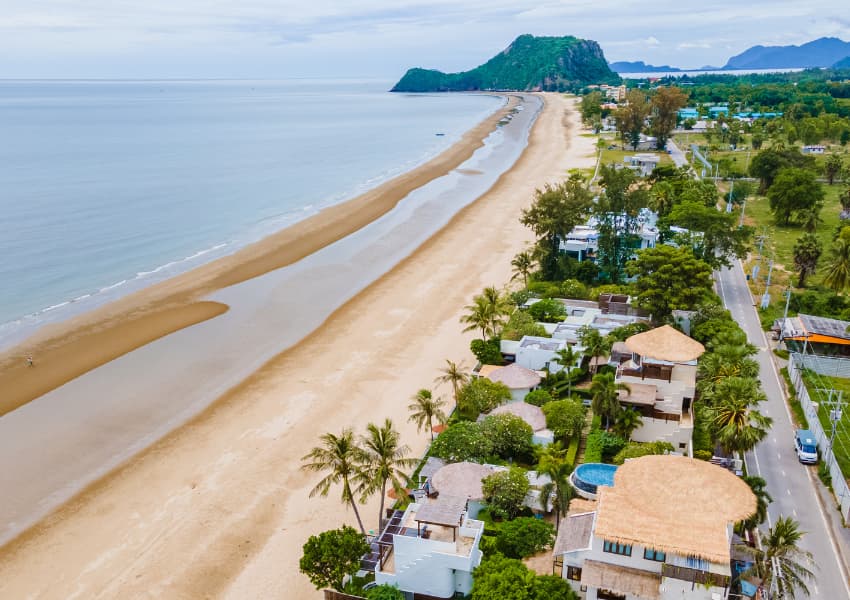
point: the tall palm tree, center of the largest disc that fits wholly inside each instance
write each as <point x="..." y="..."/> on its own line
<point x="522" y="265"/>
<point x="627" y="421"/>
<point x="455" y="375"/>
<point x="605" y="396"/>
<point x="478" y="317"/>
<point x="807" y="251"/>
<point x="779" y="561"/>
<point x="343" y="460"/>
<point x="759" y="488"/>
<point x="550" y="453"/>
<point x="500" y="308"/>
<point x="737" y="426"/>
<point x="385" y="457"/>
<point x="566" y="357"/>
<point x="594" y="344"/>
<point x="837" y="272"/>
<point x="424" y="409"/>
<point x="558" y="491"/>
<point x="722" y="362"/>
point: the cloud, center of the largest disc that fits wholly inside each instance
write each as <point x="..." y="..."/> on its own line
<point x="652" y="41"/>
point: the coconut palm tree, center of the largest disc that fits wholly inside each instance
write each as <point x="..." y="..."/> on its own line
<point x="837" y="272"/>
<point x="478" y="317"/>
<point x="737" y="426"/>
<point x="627" y="421"/>
<point x="424" y="409"/>
<point x="566" y="357"/>
<point x="550" y="453"/>
<point x="605" y="396"/>
<point x="759" y="488"/>
<point x="500" y="308"/>
<point x="724" y="361"/>
<point x="558" y="492"/>
<point x="343" y="460"/>
<point x="807" y="251"/>
<point x="522" y="264"/>
<point x="384" y="458"/>
<point x="455" y="375"/>
<point x="594" y="344"/>
<point x="778" y="560"/>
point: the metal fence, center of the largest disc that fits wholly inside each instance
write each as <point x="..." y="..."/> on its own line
<point x="831" y="366"/>
<point x="839" y="483"/>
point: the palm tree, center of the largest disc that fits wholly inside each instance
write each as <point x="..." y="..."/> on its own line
<point x="487" y="312"/>
<point x="724" y="361"/>
<point x="627" y="421"/>
<point x="455" y="375"/>
<point x="605" y="396"/>
<point x="558" y="491"/>
<point x="343" y="460"/>
<point x="594" y="344"/>
<point x="522" y="265"/>
<point x="838" y="269"/>
<point x="424" y="409"/>
<point x="384" y="458"/>
<point x="759" y="488"/>
<point x="738" y="427"/>
<point x="550" y="453"/>
<point x="477" y="317"/>
<point x="500" y="307"/>
<point x="566" y="357"/>
<point x="779" y="561"/>
<point x="807" y="251"/>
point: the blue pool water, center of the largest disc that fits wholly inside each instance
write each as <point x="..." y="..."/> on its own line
<point x="591" y="475"/>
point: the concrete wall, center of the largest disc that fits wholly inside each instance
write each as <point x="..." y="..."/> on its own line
<point x="659" y="430"/>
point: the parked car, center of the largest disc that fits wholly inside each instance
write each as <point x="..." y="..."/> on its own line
<point x="806" y="446"/>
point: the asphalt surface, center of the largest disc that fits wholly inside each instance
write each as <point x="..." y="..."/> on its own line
<point x="791" y="484"/>
<point x="676" y="154"/>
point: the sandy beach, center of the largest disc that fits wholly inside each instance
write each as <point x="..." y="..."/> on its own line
<point x="219" y="508"/>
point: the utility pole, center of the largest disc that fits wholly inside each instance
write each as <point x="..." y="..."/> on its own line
<point x="785" y="314"/>
<point x="765" y="299"/>
<point x="836" y="411"/>
<point x="743" y="208"/>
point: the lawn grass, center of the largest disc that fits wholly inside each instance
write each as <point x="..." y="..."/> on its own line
<point x="817" y="386"/>
<point x="616" y="156"/>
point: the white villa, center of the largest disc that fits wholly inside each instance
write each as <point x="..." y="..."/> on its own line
<point x="661" y="375"/>
<point x="662" y="532"/>
<point x="642" y="163"/>
<point x="534" y="353"/>
<point x="582" y="242"/>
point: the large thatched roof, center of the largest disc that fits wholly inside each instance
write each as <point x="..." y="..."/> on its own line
<point x="529" y="413"/>
<point x="665" y="343"/>
<point x="515" y="377"/>
<point x="461" y="479"/>
<point x="674" y="504"/>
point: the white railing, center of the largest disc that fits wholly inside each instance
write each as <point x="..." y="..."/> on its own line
<point x="839" y="482"/>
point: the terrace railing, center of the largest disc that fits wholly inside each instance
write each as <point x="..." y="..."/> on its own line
<point x="695" y="575"/>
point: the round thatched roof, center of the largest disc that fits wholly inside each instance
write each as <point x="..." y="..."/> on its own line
<point x="674" y="504"/>
<point x="515" y="377"/>
<point x="665" y="343"/>
<point x="529" y="413"/>
<point x="461" y="479"/>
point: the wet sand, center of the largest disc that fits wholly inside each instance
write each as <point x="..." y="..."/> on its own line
<point x="219" y="507"/>
<point x="66" y="350"/>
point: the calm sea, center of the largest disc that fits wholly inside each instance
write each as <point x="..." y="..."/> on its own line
<point x="109" y="186"/>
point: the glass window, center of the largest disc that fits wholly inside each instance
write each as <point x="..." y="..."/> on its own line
<point x="615" y="548"/>
<point x="574" y="573"/>
<point x="650" y="554"/>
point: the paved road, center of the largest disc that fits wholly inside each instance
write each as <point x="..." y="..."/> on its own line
<point x="676" y="154"/>
<point x="790" y="483"/>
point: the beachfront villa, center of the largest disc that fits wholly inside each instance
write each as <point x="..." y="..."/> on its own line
<point x="534" y="353"/>
<point x="663" y="531"/>
<point x="532" y="415"/>
<point x="661" y="376"/>
<point x="582" y="243"/>
<point x="518" y="379"/>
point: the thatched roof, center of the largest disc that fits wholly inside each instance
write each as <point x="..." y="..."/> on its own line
<point x="486" y="370"/>
<point x="515" y="377"/>
<point x="529" y="413"/>
<point x="574" y="533"/>
<point x="665" y="343"/>
<point x="445" y="510"/>
<point x="640" y="394"/>
<point x="461" y="479"/>
<point x="635" y="583"/>
<point x="580" y="505"/>
<point x="645" y="506"/>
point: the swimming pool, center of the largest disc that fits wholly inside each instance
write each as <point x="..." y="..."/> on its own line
<point x="589" y="476"/>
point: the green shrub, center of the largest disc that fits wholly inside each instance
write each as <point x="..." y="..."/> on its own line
<point x="462" y="441"/>
<point x="505" y="492"/>
<point x="565" y="418"/>
<point x="572" y="449"/>
<point x="572" y="288"/>
<point x="509" y="434"/>
<point x="385" y="592"/>
<point x="545" y="289"/>
<point x="521" y="323"/>
<point x="637" y="449"/>
<point x="524" y="537"/>
<point x="703" y="454"/>
<point x="824" y="474"/>
<point x="548" y="310"/>
<point x="602" y="446"/>
<point x="487" y="352"/>
<point x="702" y="435"/>
<point x="481" y="396"/>
<point x="538" y="397"/>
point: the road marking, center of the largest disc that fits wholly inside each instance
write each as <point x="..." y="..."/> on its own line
<point x="779" y="456"/>
<point x="783" y="473"/>
<point x="794" y="510"/>
<point x="789" y="491"/>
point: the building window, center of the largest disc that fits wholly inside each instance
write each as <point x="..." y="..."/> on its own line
<point x="574" y="573"/>
<point x="697" y="563"/>
<point x="650" y="554"/>
<point x="609" y="595"/>
<point x="616" y="548"/>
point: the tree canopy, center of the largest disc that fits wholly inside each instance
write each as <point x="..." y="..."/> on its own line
<point x="565" y="417"/>
<point x="793" y="193"/>
<point x="669" y="279"/>
<point x="509" y="434"/>
<point x="462" y="441"/>
<point x="328" y="557"/>
<point x="505" y="492"/>
<point x="664" y="112"/>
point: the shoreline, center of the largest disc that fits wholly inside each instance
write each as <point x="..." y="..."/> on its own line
<point x="110" y="331"/>
<point x="219" y="508"/>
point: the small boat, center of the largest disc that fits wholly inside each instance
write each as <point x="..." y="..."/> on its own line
<point x="439" y="134"/>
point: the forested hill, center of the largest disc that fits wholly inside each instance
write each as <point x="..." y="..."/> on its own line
<point x="528" y="64"/>
<point x="823" y="52"/>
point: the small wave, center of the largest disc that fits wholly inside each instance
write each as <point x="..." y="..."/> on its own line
<point x="113" y="286"/>
<point x="83" y="297"/>
<point x="202" y="252"/>
<point x="54" y="307"/>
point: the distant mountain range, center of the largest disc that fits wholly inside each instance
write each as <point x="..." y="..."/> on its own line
<point x="823" y="52"/>
<point x="844" y="63"/>
<point x="529" y="63"/>
<point x="638" y="66"/>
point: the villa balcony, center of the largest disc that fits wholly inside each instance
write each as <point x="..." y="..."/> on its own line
<point x="695" y="576"/>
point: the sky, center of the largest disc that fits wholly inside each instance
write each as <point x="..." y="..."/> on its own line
<point x="267" y="39"/>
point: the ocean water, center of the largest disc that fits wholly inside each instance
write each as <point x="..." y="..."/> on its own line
<point x="109" y="186"/>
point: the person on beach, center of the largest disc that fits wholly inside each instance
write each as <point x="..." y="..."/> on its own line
<point x="29" y="360"/>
